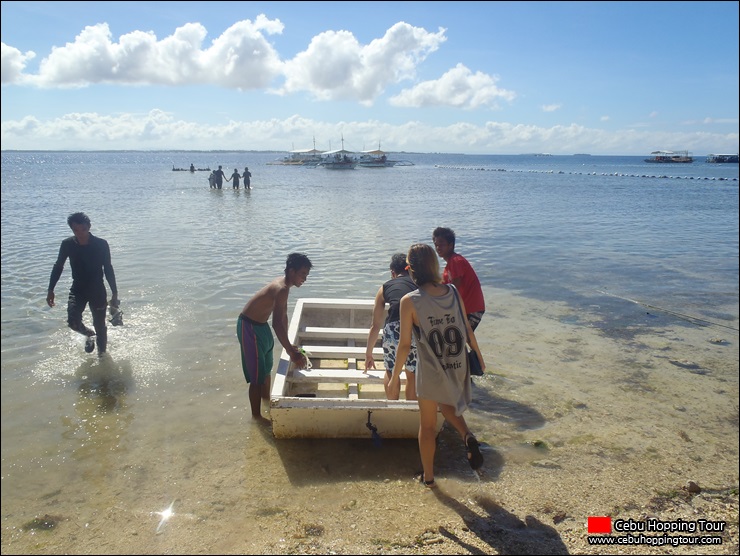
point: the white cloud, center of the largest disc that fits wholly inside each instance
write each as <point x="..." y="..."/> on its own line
<point x="459" y="87"/>
<point x="335" y="66"/>
<point x="712" y="121"/>
<point x="13" y="61"/>
<point x="604" y="118"/>
<point x="551" y="107"/>
<point x="159" y="130"/>
<point x="240" y="58"/>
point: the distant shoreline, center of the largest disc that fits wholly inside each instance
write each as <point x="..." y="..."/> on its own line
<point x="278" y="152"/>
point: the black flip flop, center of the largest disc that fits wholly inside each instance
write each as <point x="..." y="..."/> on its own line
<point x="428" y="484"/>
<point x="475" y="458"/>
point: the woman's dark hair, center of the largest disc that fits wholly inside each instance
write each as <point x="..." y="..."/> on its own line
<point x="424" y="264"/>
<point x="297" y="261"/>
<point x="398" y="263"/>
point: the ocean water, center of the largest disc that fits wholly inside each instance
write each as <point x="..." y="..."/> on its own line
<point x="592" y="233"/>
<point x="187" y="257"/>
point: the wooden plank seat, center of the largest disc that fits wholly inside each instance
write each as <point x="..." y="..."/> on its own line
<point x="341" y="352"/>
<point x="341" y="376"/>
<point x="315" y="332"/>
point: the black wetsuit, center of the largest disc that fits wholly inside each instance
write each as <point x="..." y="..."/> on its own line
<point x="89" y="263"/>
<point x="219" y="178"/>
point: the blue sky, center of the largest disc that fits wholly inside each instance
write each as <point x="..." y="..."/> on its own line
<point x="465" y="77"/>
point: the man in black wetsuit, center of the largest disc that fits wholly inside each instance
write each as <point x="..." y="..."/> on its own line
<point x="89" y="258"/>
<point x="220" y="177"/>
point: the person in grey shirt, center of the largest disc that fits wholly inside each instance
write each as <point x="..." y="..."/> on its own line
<point x="435" y="315"/>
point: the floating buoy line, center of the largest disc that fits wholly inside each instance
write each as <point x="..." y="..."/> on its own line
<point x="616" y="174"/>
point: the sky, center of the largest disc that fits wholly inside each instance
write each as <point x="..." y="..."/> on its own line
<point x="611" y="78"/>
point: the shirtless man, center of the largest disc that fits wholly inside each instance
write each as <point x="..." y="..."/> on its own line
<point x="255" y="336"/>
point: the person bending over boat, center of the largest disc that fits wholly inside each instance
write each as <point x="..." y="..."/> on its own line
<point x="435" y="315"/>
<point x="391" y="292"/>
<point x="89" y="257"/>
<point x="255" y="336"/>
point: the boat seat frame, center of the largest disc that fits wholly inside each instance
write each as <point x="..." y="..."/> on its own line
<point x="340" y="352"/>
<point x="346" y="376"/>
<point x="322" y="332"/>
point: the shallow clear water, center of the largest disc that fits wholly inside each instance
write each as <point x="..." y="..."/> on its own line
<point x="591" y="233"/>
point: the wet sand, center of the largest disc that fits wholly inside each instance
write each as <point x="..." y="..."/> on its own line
<point x="577" y="418"/>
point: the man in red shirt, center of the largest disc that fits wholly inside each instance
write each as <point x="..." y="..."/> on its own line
<point x="460" y="274"/>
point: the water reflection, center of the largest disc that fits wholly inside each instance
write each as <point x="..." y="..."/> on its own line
<point x="102" y="414"/>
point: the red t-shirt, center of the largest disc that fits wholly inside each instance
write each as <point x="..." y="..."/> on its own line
<point x="458" y="270"/>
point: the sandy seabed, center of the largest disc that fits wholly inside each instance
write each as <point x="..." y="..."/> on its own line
<point x="575" y="420"/>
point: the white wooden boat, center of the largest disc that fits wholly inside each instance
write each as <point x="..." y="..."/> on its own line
<point x="376" y="158"/>
<point x="339" y="159"/>
<point x="299" y="157"/>
<point x="335" y="397"/>
<point x="722" y="158"/>
<point x="670" y="157"/>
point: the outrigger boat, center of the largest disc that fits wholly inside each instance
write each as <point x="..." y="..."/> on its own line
<point x="300" y="157"/>
<point x="335" y="397"/>
<point x="376" y="158"/>
<point x="339" y="159"/>
<point x="191" y="169"/>
<point x="669" y="157"/>
<point x="722" y="158"/>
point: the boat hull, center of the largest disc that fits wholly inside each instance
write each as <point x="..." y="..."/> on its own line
<point x="722" y="158"/>
<point x="339" y="165"/>
<point x="373" y="164"/>
<point x="669" y="157"/>
<point x="311" y="418"/>
<point x="336" y="398"/>
<point x="668" y="161"/>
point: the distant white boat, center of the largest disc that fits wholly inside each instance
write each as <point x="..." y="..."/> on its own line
<point x="336" y="398"/>
<point x="307" y="157"/>
<point x="340" y="159"/>
<point x="670" y="157"/>
<point x="723" y="158"/>
<point x="376" y="158"/>
<point x="300" y="157"/>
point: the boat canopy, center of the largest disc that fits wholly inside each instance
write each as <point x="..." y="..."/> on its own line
<point x="306" y="151"/>
<point x="374" y="152"/>
<point x="338" y="151"/>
